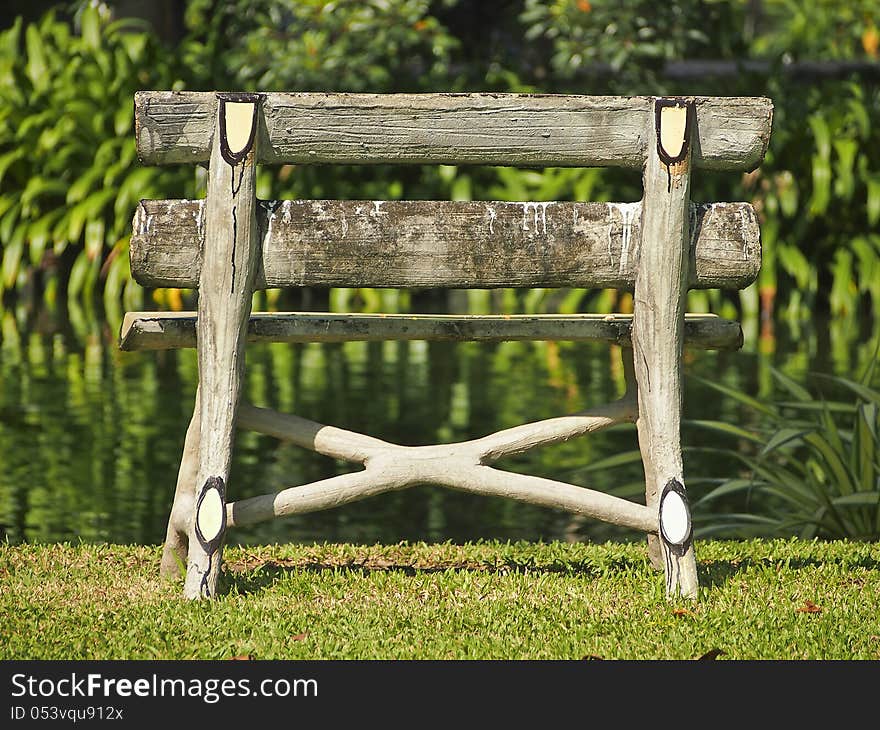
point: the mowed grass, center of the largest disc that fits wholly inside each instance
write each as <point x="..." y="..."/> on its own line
<point x="758" y="600"/>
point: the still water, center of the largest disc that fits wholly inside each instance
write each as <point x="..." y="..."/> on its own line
<point x="90" y="436"/>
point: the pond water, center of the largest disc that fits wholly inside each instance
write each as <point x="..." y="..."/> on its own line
<point x="90" y="436"/>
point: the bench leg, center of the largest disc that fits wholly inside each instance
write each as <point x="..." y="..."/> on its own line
<point x="176" y="545"/>
<point x="658" y="326"/>
<point x="225" y="290"/>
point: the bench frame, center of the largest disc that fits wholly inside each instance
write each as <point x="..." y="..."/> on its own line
<point x="235" y="251"/>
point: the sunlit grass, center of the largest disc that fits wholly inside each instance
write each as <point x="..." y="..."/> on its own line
<point x="438" y="601"/>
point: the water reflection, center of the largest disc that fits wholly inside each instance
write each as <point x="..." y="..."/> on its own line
<point x="90" y="437"/>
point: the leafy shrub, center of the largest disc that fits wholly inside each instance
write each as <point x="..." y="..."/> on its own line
<point x="69" y="180"/>
<point x="811" y="464"/>
<point x="315" y="45"/>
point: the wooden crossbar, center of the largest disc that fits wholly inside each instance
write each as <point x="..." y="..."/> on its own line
<point x="488" y="129"/>
<point x="173" y="330"/>
<point x="445" y="244"/>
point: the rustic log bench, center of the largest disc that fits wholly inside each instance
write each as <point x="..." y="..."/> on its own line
<point x="231" y="244"/>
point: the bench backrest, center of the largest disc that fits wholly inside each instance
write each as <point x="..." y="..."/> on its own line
<point x="446" y="243"/>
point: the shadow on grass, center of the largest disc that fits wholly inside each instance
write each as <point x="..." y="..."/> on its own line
<point x="715" y="573"/>
<point x="251" y="578"/>
<point x="246" y="577"/>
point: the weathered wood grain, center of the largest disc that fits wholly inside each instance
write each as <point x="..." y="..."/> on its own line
<point x="225" y="291"/>
<point x="658" y="324"/>
<point x="173" y="330"/>
<point x="445" y="244"/>
<point x="176" y="546"/>
<point x="462" y="466"/>
<point x="490" y="129"/>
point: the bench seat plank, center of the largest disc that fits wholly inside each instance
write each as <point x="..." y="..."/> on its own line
<point x="429" y="243"/>
<point x="172" y="330"/>
<point x="488" y="129"/>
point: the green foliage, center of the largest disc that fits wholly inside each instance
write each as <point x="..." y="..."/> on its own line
<point x="811" y="465"/>
<point x="69" y="180"/>
<point x="822" y="29"/>
<point x="818" y="190"/>
<point x="631" y="38"/>
<point x="315" y="45"/>
<point x="819" y="197"/>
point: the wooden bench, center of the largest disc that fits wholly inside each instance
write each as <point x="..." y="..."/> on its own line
<point x="231" y="244"/>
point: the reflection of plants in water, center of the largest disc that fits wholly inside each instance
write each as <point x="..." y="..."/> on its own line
<point x="84" y="437"/>
<point x="810" y="463"/>
<point x="91" y="437"/>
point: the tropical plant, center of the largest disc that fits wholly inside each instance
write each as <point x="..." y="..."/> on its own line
<point x="69" y="180"/>
<point x="810" y="463"/>
<point x="819" y="199"/>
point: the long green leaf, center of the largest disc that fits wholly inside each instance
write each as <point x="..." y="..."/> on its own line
<point x="863" y="391"/>
<point x="37" y="69"/>
<point x="865" y="445"/>
<point x="739" y="396"/>
<point x="731" y="486"/>
<point x="91" y="27"/>
<point x="867" y="499"/>
<point x="832" y="457"/>
<point x="784" y="437"/>
<point x="7" y="224"/>
<point x="12" y="258"/>
<point x="798" y="391"/>
<point x="726" y="428"/>
<point x="609" y="462"/>
<point x="835" y="407"/>
<point x="38" y="234"/>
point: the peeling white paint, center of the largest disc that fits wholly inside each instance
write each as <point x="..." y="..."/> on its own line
<point x="377" y="209"/>
<point x="344" y="225"/>
<point x="743" y="216"/>
<point x="493" y="216"/>
<point x="199" y="218"/>
<point x="271" y="206"/>
<point x="285" y="210"/>
<point x="628" y="213"/>
<point x="138" y="223"/>
<point x="538" y="213"/>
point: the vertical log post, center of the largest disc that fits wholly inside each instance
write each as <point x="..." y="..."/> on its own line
<point x="225" y="289"/>
<point x="174" y="552"/>
<point x="658" y="321"/>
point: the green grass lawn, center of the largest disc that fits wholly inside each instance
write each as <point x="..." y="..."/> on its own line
<point x="758" y="600"/>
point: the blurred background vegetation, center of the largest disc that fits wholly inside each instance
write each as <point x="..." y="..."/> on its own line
<point x="69" y="181"/>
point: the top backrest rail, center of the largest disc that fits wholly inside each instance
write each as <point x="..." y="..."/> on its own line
<point x="538" y="130"/>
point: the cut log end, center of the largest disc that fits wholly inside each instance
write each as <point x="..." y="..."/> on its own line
<point x="238" y="125"/>
<point x="675" y="518"/>
<point x="673" y="130"/>
<point x="210" y="521"/>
